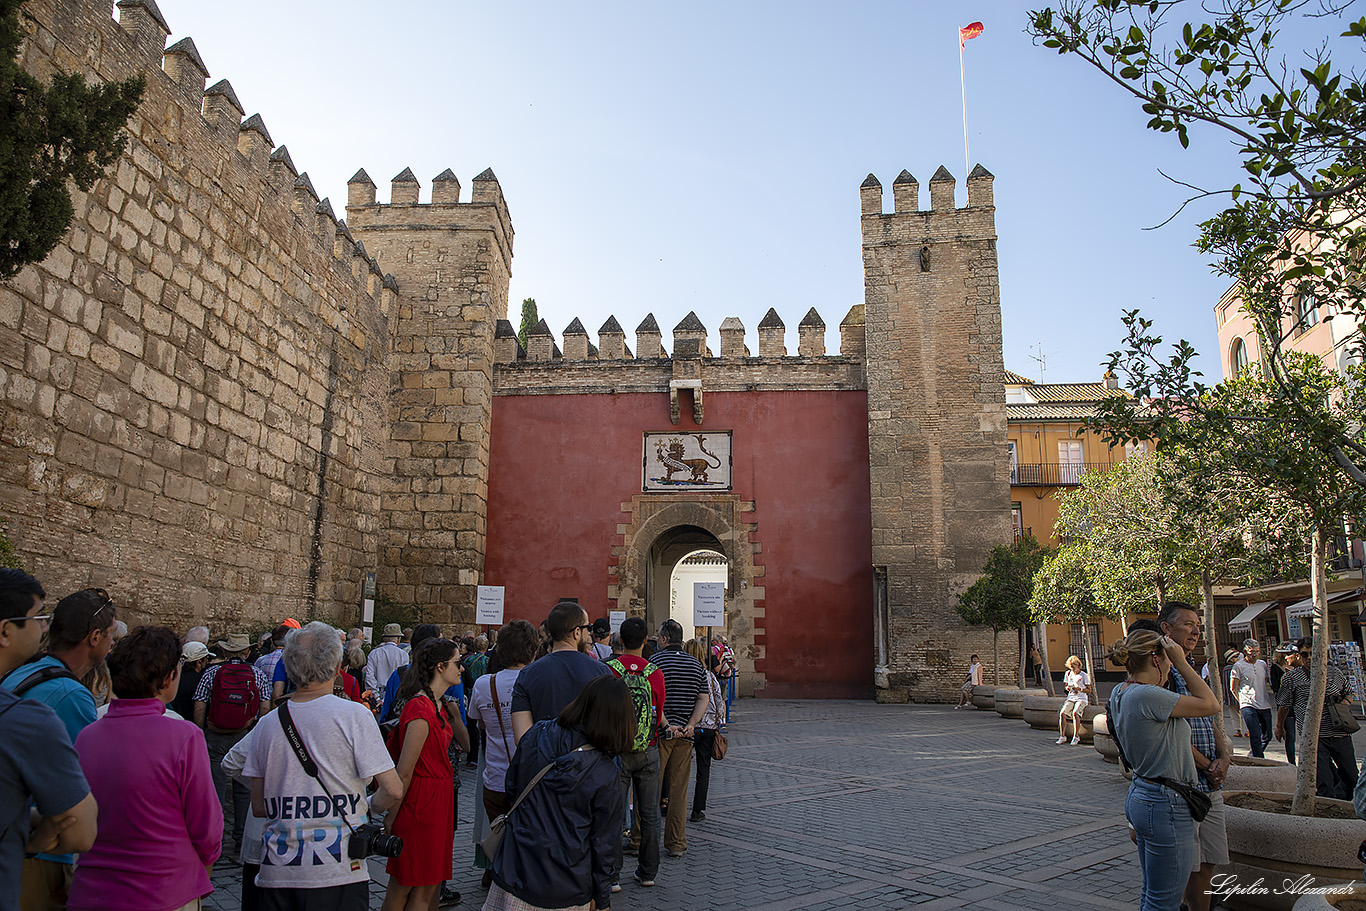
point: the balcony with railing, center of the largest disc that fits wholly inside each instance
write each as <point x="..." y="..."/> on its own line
<point x="1052" y="474"/>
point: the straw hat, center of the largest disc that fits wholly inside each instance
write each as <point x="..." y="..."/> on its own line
<point x="236" y="642"/>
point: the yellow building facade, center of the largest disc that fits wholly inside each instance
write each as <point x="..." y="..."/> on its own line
<point x="1049" y="452"/>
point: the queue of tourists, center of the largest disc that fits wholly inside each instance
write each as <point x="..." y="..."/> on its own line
<point x="115" y="795"/>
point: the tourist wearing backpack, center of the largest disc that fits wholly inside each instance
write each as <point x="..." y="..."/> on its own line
<point x="227" y="702"/>
<point x="640" y="767"/>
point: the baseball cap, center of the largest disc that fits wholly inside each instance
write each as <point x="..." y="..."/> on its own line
<point x="193" y="651"/>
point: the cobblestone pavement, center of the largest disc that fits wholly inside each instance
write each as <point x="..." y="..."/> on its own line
<point x="822" y="806"/>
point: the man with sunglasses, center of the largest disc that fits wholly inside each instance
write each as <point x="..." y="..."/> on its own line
<point x="38" y="766"/>
<point x="549" y="684"/>
<point x="1337" y="766"/>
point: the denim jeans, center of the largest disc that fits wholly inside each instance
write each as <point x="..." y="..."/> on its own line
<point x="1259" y="729"/>
<point x="642" y="770"/>
<point x="1166" y="843"/>
<point x="1337" y="767"/>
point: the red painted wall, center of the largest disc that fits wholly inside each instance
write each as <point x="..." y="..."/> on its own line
<point x="562" y="465"/>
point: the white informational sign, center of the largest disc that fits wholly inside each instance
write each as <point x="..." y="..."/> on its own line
<point x="367" y="619"/>
<point x="616" y="617"/>
<point x="709" y="604"/>
<point x="488" y="605"/>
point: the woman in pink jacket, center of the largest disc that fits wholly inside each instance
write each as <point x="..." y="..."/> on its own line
<point x="160" y="826"/>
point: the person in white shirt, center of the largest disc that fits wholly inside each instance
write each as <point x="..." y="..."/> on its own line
<point x="385" y="658"/>
<point x="1077" y="683"/>
<point x="1250" y="678"/>
<point x="974" y="679"/>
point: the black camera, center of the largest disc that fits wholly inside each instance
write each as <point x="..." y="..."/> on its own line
<point x="370" y="839"/>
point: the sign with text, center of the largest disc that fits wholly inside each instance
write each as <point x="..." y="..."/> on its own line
<point x="709" y="604"/>
<point x="488" y="605"/>
<point x="617" y="617"/>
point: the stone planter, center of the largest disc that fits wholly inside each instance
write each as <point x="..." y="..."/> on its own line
<point x="1101" y="739"/>
<point x="984" y="696"/>
<point x="1355" y="893"/>
<point x="1250" y="774"/>
<point x="1010" y="700"/>
<point x="1041" y="712"/>
<point x="1275" y="847"/>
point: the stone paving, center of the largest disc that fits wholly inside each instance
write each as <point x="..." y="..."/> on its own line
<point x="824" y="806"/>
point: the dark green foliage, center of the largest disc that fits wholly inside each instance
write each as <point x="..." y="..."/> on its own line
<point x="67" y="131"/>
<point x="388" y="610"/>
<point x="529" y="320"/>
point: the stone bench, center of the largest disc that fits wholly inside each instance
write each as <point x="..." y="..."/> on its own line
<point x="984" y="696"/>
<point x="1010" y="700"/>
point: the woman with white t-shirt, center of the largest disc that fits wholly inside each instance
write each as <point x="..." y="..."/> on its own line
<point x="1077" y="683"/>
<point x="974" y="679"/>
<point x="491" y="707"/>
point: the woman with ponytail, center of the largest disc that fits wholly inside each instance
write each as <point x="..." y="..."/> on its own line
<point x="425" y="816"/>
<point x="1149" y="723"/>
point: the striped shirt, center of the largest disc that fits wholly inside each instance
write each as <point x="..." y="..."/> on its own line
<point x="684" y="678"/>
<point x="1295" y="691"/>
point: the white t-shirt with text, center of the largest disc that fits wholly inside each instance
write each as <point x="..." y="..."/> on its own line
<point x="306" y="832"/>
<point x="498" y="739"/>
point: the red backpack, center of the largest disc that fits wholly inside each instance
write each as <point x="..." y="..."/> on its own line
<point x="234" y="698"/>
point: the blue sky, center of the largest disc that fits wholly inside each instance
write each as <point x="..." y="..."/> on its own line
<point x="707" y="156"/>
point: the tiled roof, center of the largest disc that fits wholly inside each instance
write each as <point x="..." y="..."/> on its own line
<point x="1071" y="392"/>
<point x="1065" y="411"/>
<point x="1014" y="379"/>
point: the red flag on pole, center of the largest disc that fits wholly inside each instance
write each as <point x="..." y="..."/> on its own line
<point x="971" y="30"/>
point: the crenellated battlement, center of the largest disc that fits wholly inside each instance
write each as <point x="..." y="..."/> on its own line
<point x="610" y="367"/>
<point x="180" y="121"/>
<point x="485" y="210"/>
<point x="942" y="222"/>
<point x="689" y="341"/>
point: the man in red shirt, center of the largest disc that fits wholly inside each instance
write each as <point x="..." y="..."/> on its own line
<point x="641" y="766"/>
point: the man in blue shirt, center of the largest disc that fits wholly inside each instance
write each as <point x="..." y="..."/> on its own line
<point x="37" y="760"/>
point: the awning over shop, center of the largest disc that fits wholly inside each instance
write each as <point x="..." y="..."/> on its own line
<point x="1243" y="622"/>
<point x="1305" y="608"/>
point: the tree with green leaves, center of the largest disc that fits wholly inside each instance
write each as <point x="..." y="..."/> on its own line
<point x="1294" y="234"/>
<point x="1126" y="522"/>
<point x="529" y="320"/>
<point x="67" y="131"/>
<point x="1064" y="588"/>
<point x="1000" y="597"/>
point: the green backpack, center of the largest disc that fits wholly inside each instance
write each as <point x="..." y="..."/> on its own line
<point x="639" y="684"/>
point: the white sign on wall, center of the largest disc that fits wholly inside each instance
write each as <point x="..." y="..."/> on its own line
<point x="709" y="603"/>
<point x="616" y="617"/>
<point x="488" y="605"/>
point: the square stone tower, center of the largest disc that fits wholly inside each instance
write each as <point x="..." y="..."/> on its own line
<point x="939" y="465"/>
<point x="453" y="262"/>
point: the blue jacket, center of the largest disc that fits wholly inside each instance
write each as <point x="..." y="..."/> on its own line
<point x="560" y="846"/>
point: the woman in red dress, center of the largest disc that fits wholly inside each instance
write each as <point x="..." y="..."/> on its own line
<point x="425" y="818"/>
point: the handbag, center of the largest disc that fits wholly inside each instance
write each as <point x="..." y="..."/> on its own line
<point x="1344" y="721"/>
<point x="498" y="827"/>
<point x="719" y="745"/>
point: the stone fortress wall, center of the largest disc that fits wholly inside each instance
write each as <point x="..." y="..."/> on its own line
<point x="194" y="381"/>
<point x="220" y="406"/>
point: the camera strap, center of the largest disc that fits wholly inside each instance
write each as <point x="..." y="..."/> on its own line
<point x="296" y="743"/>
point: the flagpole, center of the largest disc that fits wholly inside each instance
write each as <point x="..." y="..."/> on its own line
<point x="963" y="85"/>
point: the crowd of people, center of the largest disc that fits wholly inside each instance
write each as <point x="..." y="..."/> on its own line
<point x="127" y="750"/>
<point x="1161" y="720"/>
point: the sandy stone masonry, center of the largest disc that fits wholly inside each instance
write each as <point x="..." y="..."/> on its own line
<point x="936" y="423"/>
<point x="194" y="381"/>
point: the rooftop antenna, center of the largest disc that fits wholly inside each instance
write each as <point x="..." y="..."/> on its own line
<point x="1041" y="358"/>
